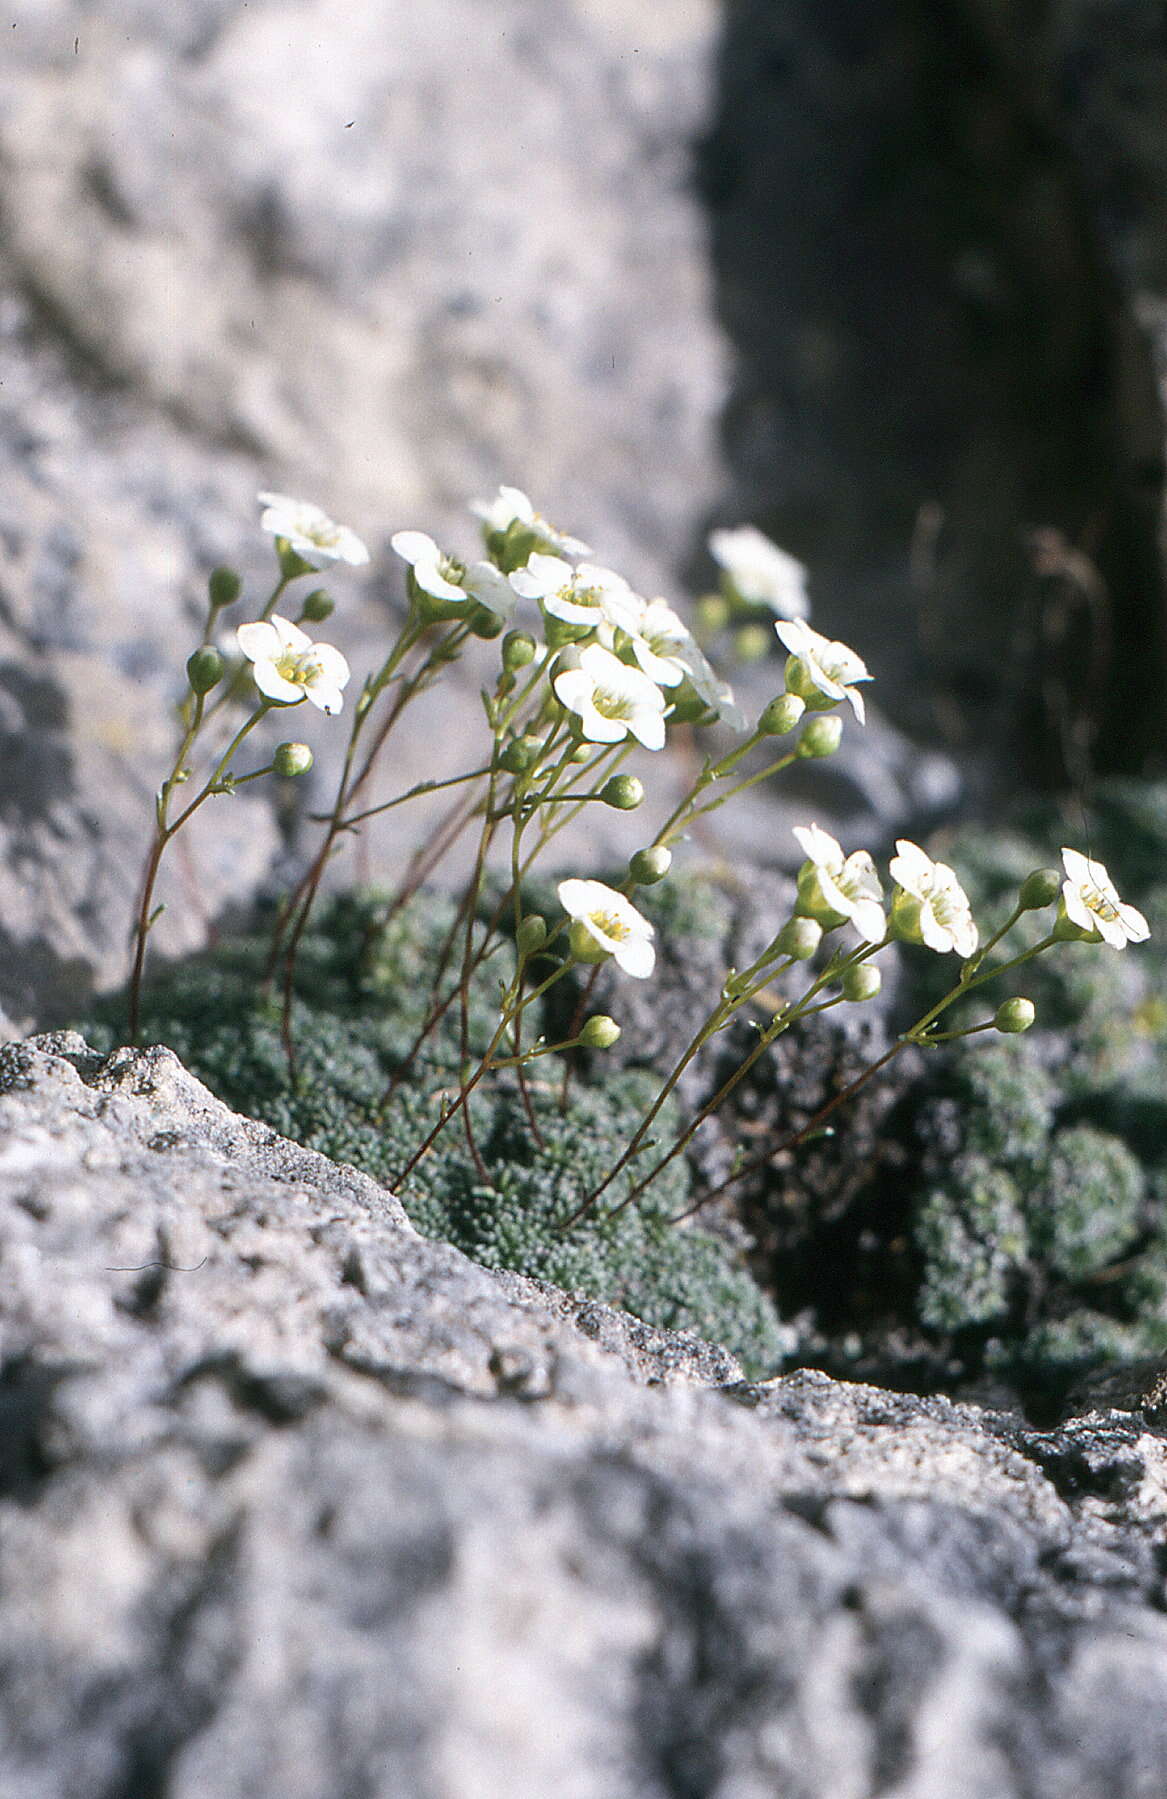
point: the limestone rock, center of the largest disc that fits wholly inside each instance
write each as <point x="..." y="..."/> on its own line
<point x="293" y="1501"/>
<point x="383" y="258"/>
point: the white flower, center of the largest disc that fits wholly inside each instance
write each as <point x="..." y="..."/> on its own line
<point x="1092" y="903"/>
<point x="289" y="667"/>
<point x="454" y="582"/>
<point x="511" y="504"/>
<point x="930" y="905"/>
<point x="316" y="539"/>
<point x="843" y="887"/>
<point x="663" y="644"/>
<point x="822" y="667"/>
<point x="586" y="595"/>
<point x="610" y="699"/>
<point x="717" y="694"/>
<point x="605" y="920"/>
<point x="760" y="572"/>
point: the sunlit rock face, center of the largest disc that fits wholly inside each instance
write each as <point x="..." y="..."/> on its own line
<point x="382" y="258"/>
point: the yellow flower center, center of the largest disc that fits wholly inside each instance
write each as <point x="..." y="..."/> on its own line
<point x="612" y="705"/>
<point x="1096" y="901"/>
<point x="610" y="925"/>
<point x="301" y="668"/>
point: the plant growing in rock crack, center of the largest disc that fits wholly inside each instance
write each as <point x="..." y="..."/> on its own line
<point x="592" y="674"/>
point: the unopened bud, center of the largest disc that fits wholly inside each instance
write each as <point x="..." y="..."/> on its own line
<point x="624" y="792"/>
<point x="585" y="947"/>
<point x="583" y="752"/>
<point x="781" y="715"/>
<point x="821" y="736"/>
<point x="484" y="623"/>
<point x="600" y="1032"/>
<point x="647" y="867"/>
<point x="1014" y="1015"/>
<point x="521" y="754"/>
<point x="318" y="606"/>
<point x="519" y="649"/>
<point x="291" y="561"/>
<point x="292" y="759"/>
<point x="204" y="669"/>
<point x="531" y="934"/>
<point x="561" y="631"/>
<point x="861" y="982"/>
<point x="1041" y="888"/>
<point x="799" y="938"/>
<point x="223" y="587"/>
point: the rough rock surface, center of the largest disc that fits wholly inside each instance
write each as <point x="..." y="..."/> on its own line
<point x="293" y="1501"/>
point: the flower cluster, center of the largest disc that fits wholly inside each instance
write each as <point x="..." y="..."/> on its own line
<point x="593" y="673"/>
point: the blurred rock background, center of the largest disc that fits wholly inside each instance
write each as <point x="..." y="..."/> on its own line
<point x="886" y="282"/>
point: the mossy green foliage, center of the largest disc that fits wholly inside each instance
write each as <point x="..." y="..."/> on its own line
<point x="362" y="997"/>
<point x="1040" y="1223"/>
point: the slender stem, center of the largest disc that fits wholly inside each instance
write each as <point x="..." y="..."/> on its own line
<point x="915" y="1034"/>
<point x="164" y="830"/>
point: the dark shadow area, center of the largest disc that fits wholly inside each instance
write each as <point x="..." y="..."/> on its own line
<point x="926" y="219"/>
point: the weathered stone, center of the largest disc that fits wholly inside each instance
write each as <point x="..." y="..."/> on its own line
<point x="295" y="1501"/>
<point x="385" y="259"/>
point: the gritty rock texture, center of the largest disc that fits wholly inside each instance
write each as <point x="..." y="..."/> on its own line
<point x="296" y="1502"/>
<point x="382" y="257"/>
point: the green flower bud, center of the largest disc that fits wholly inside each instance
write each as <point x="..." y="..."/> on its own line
<point x="781" y="715"/>
<point x="623" y="792"/>
<point x="292" y="759"/>
<point x="820" y="737"/>
<point x="583" y="752"/>
<point x="688" y="708"/>
<point x="861" y="982"/>
<point x="531" y="934"/>
<point x="1041" y="888"/>
<point x="813" y="902"/>
<point x="1066" y="931"/>
<point x="291" y="561"/>
<point x="223" y="587"/>
<point x="752" y="642"/>
<point x="521" y="754"/>
<point x="799" y="680"/>
<point x="799" y="938"/>
<point x="519" y="649"/>
<point x="584" y="946"/>
<point x="484" y="623"/>
<point x="647" y="867"/>
<point x="318" y="606"/>
<point x="600" y="1032"/>
<point x="559" y="632"/>
<point x="906" y="911"/>
<point x="204" y="669"/>
<point x="1015" y="1015"/>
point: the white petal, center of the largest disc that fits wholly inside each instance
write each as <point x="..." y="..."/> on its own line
<point x="820" y="847"/>
<point x="636" y="956"/>
<point x="291" y="637"/>
<point x="414" y="547"/>
<point x="325" y="696"/>
<point x="649" y="729"/>
<point x="259" y="640"/>
<point x="272" y="684"/>
<point x="334" y="668"/>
